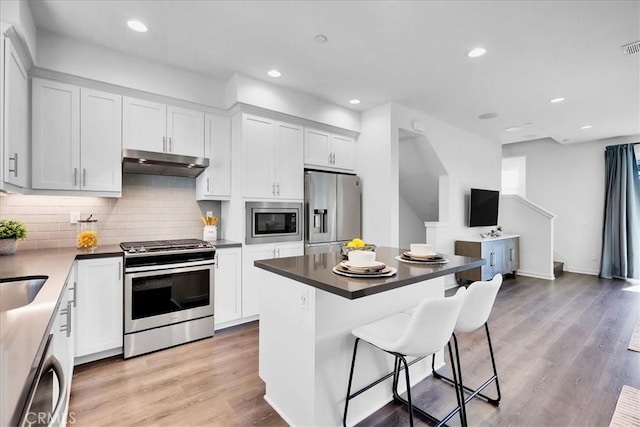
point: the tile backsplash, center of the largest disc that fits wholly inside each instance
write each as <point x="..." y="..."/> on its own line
<point x="151" y="207"/>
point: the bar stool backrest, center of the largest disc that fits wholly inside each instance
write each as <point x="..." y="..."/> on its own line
<point x="430" y="326"/>
<point x="478" y="304"/>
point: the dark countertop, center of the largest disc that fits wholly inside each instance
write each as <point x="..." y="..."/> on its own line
<point x="22" y="330"/>
<point x="316" y="270"/>
<point x="223" y="244"/>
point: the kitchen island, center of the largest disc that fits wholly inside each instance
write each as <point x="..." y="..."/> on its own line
<point x="307" y="313"/>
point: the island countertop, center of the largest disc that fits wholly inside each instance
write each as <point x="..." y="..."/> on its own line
<point x="317" y="270"/>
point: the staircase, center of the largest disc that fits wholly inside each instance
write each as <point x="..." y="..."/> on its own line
<point x="558" y="268"/>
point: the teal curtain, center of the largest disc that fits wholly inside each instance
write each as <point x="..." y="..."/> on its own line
<point x="621" y="233"/>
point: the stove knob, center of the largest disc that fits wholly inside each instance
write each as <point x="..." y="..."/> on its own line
<point x="132" y="250"/>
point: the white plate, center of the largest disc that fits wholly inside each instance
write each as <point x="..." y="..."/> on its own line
<point x="423" y="262"/>
<point x="373" y="265"/>
<point x="387" y="272"/>
<point x="422" y="256"/>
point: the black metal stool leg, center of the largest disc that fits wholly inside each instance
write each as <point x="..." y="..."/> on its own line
<point x="406" y="375"/>
<point x="346" y="402"/>
<point x="458" y="384"/>
<point x="493" y="364"/>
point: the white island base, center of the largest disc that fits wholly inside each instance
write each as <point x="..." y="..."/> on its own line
<point x="306" y="348"/>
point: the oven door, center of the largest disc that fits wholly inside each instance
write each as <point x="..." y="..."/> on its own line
<point x="163" y="297"/>
<point x="273" y="222"/>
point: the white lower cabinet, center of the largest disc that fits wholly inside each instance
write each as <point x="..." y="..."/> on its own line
<point x="99" y="300"/>
<point x="252" y="276"/>
<point x="228" y="286"/>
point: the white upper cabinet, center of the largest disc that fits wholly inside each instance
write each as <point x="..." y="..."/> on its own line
<point x="289" y="161"/>
<point x="100" y="141"/>
<point x="328" y="151"/>
<point x="56" y="135"/>
<point x="74" y="147"/>
<point x="150" y="126"/>
<point x="144" y="125"/>
<point x="215" y="182"/>
<point x="15" y="121"/>
<point x="185" y="131"/>
<point x="273" y="154"/>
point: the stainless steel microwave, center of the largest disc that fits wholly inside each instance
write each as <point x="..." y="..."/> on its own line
<point x="273" y="222"/>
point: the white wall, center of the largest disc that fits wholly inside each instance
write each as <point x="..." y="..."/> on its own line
<point x="66" y="55"/>
<point x="470" y="161"/>
<point x="412" y="228"/>
<point x="17" y="13"/>
<point x="569" y="181"/>
<point x="246" y="90"/>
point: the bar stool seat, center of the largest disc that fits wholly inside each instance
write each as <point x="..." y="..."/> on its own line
<point x="419" y="334"/>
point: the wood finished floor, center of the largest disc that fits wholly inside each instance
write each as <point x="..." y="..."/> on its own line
<point x="561" y="351"/>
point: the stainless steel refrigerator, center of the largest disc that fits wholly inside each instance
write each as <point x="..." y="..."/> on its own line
<point x="333" y="210"/>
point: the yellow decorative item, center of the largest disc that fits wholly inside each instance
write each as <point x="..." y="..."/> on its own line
<point x="87" y="233"/>
<point x="209" y="220"/>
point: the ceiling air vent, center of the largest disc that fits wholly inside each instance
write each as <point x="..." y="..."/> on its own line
<point x="631" y="48"/>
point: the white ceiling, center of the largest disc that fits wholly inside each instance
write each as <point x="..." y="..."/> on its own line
<point x="411" y="52"/>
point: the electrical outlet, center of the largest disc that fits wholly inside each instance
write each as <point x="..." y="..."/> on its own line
<point x="304" y="300"/>
<point x="74" y="217"/>
<point x="209" y="214"/>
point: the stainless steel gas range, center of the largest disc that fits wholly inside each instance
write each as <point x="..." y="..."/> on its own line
<point x="168" y="293"/>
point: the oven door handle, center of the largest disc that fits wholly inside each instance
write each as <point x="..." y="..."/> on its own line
<point x="169" y="266"/>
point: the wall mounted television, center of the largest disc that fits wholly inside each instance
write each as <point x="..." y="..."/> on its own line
<point x="483" y="207"/>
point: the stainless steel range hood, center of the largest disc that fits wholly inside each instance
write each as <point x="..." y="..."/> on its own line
<point x="148" y="162"/>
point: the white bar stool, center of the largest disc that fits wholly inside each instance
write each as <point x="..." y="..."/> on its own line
<point x="419" y="334"/>
<point x="475" y="313"/>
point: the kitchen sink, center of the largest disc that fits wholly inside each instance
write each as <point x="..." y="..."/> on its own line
<point x="18" y="292"/>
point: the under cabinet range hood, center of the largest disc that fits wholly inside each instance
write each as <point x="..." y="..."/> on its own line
<point x="151" y="163"/>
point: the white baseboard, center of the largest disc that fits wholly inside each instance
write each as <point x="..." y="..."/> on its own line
<point x="536" y="275"/>
<point x="581" y="271"/>
<point x="80" y="360"/>
<point x="236" y="322"/>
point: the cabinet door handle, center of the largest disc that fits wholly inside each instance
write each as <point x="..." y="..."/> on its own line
<point x="164" y="144"/>
<point x="69" y="324"/>
<point x="170" y="144"/>
<point x="120" y="270"/>
<point x="75" y="296"/>
<point x="216" y="261"/>
<point x="278" y="189"/>
<point x="330" y="157"/>
<point x="84" y="177"/>
<point x="333" y="161"/>
<point x="273" y="251"/>
<point x="491" y="259"/>
<point x="273" y="188"/>
<point x="208" y="184"/>
<point x="510" y="254"/>
<point x="75" y="176"/>
<point x="15" y="164"/>
<point x="278" y="249"/>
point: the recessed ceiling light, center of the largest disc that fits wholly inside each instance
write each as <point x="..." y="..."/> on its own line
<point x="136" y="25"/>
<point x="478" y="51"/>
<point x="321" y="38"/>
<point x="486" y="116"/>
<point x="556" y="100"/>
<point x="512" y="129"/>
<point x="586" y="127"/>
<point x="354" y="101"/>
<point x="274" y="73"/>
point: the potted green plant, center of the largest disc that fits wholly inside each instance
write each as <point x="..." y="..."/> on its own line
<point x="10" y="232"/>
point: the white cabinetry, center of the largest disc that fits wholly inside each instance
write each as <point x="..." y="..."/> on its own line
<point x="14" y="119"/>
<point x="63" y="330"/>
<point x="254" y="277"/>
<point x="150" y="126"/>
<point x="501" y="256"/>
<point x="228" y="286"/>
<point x="328" y="150"/>
<point x="74" y="147"/>
<point x="273" y="154"/>
<point x="215" y="182"/>
<point x="99" y="301"/>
